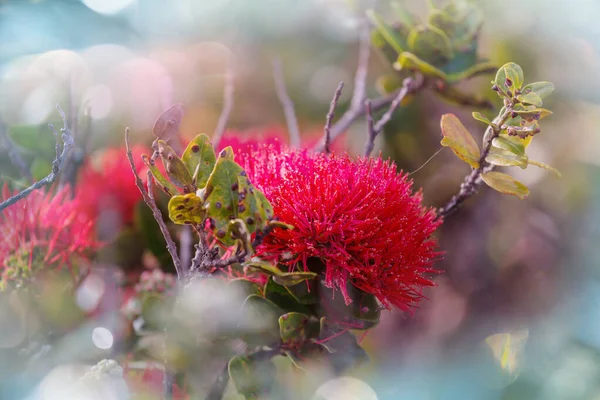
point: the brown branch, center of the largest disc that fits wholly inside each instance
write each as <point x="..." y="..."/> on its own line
<point x="57" y="164"/>
<point x="409" y="85"/>
<point x="330" y="114"/>
<point x="473" y="181"/>
<point x="13" y="153"/>
<point x="148" y="197"/>
<point x="228" y="92"/>
<point x="357" y="107"/>
<point x="287" y="104"/>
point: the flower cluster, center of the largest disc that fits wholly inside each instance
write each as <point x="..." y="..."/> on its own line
<point x="43" y="230"/>
<point x="358" y="216"/>
<point x="107" y="189"/>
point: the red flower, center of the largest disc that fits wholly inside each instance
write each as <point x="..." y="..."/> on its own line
<point x="43" y="231"/>
<point x="357" y="216"/>
<point x="108" y="189"/>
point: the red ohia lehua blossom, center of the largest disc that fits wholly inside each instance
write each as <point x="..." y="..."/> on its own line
<point x="107" y="191"/>
<point x="43" y="231"/>
<point x="358" y="216"/>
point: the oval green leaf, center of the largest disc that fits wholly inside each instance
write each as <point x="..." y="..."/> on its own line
<point x="430" y="44"/>
<point x="199" y="158"/>
<point x="530" y="98"/>
<point x="506" y="184"/>
<point x="482" y="118"/>
<point x="542" y="89"/>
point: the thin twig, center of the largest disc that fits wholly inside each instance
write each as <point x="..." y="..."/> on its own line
<point x="372" y="134"/>
<point x="359" y="93"/>
<point x="473" y="181"/>
<point x="287" y="104"/>
<point x="217" y="390"/>
<point x="330" y="114"/>
<point x="13" y="153"/>
<point x="228" y="92"/>
<point x="409" y="85"/>
<point x="68" y="143"/>
<point x="148" y="196"/>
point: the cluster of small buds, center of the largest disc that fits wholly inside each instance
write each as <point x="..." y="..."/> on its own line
<point x="106" y="368"/>
<point x="156" y="281"/>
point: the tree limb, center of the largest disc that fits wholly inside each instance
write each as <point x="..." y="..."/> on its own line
<point x="228" y="92"/>
<point x="68" y="143"/>
<point x="332" y="107"/>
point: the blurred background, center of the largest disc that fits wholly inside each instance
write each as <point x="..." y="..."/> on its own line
<point x="529" y="268"/>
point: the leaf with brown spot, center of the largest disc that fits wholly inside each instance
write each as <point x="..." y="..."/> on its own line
<point x="186" y="209"/>
<point x="176" y="169"/>
<point x="199" y="158"/>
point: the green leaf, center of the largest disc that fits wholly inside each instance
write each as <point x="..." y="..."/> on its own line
<point x="166" y="125"/>
<point x="199" y="158"/>
<point x="530" y="98"/>
<point x="221" y="195"/>
<point x="480" y="117"/>
<point x="546" y="167"/>
<point x="542" y="89"/>
<point x="505" y="159"/>
<point x="283" y="298"/>
<point x="293" y="278"/>
<point x="304" y="294"/>
<point x="444" y="22"/>
<point x="430" y="44"/>
<point x="252" y="378"/>
<point x="388" y="83"/>
<point x="176" y="169"/>
<point x="388" y="34"/>
<point x="506" y="184"/>
<point x="186" y="209"/>
<point x="263" y="266"/>
<point x="458" y="138"/>
<point x="406" y="20"/>
<point x="296" y="328"/>
<point x="159" y="178"/>
<point x="410" y="61"/>
<point x="509" y="77"/>
<point x="509" y="145"/>
<point x="534" y="114"/>
<point x="256" y="307"/>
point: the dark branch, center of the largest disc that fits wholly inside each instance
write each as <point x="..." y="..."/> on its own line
<point x="473" y="181"/>
<point x="13" y="153"/>
<point x="148" y="196"/>
<point x="330" y="114"/>
<point x="287" y="104"/>
<point x="68" y="143"/>
<point x="228" y="92"/>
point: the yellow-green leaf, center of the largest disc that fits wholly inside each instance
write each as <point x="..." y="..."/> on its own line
<point x="546" y="167"/>
<point x="507" y="350"/>
<point x="505" y="159"/>
<point x="530" y="98"/>
<point x="410" y="61"/>
<point x="293" y="278"/>
<point x="458" y="138"/>
<point x="186" y="209"/>
<point x="263" y="266"/>
<point x="159" y="178"/>
<point x="388" y="34"/>
<point x="475" y="70"/>
<point x="509" y="145"/>
<point x="510" y="77"/>
<point x="199" y="158"/>
<point x="482" y="118"/>
<point x="176" y="169"/>
<point x="506" y="184"/>
<point x="542" y="89"/>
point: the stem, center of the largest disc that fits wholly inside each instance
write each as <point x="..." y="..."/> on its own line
<point x="287" y="104"/>
<point x="473" y="181"/>
<point x="228" y="92"/>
